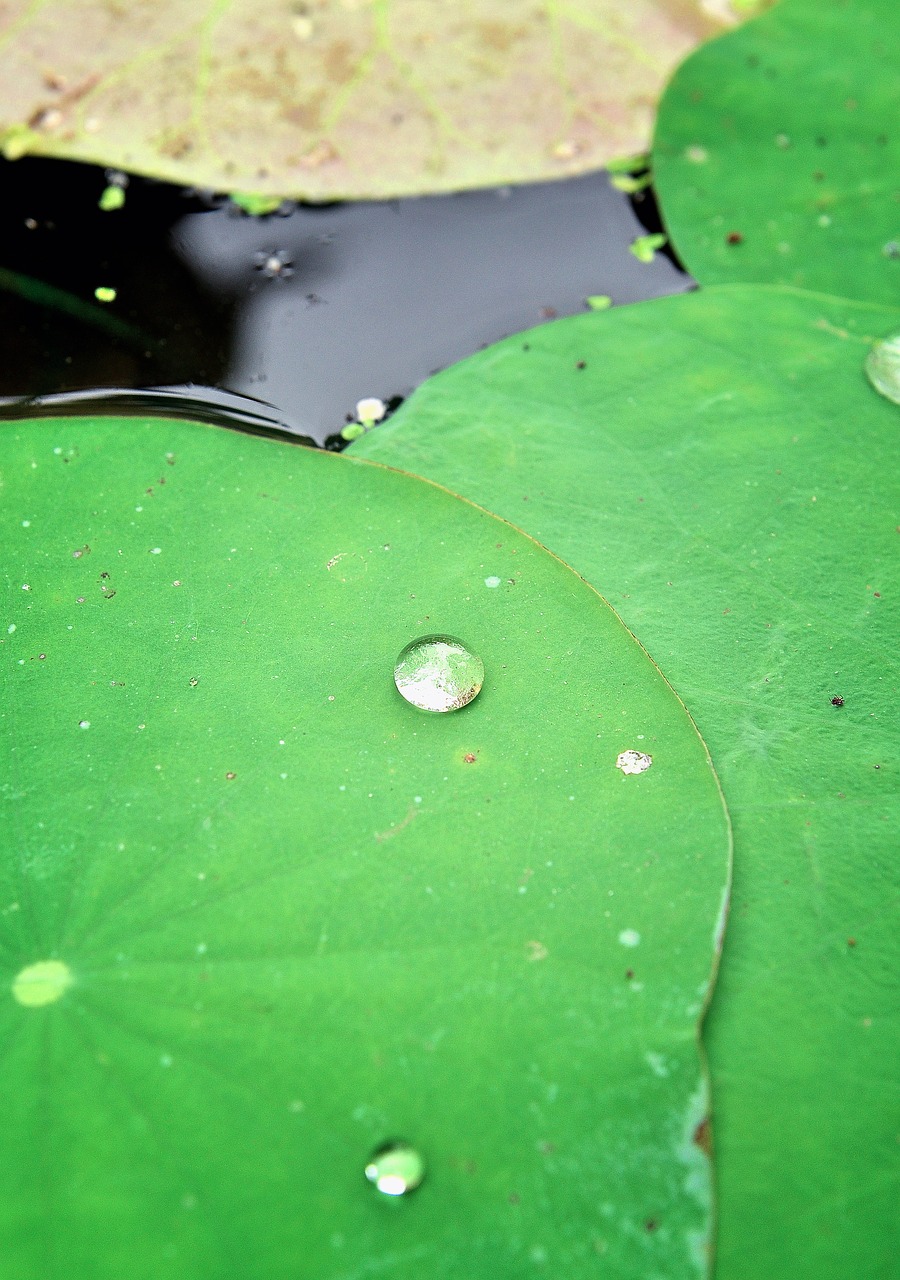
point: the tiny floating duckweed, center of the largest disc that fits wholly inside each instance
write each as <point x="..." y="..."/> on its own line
<point x="883" y="367"/>
<point x="633" y="761"/>
<point x="438" y="673"/>
<point x="396" y="1169"/>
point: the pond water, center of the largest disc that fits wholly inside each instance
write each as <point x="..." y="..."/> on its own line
<point x="284" y="322"/>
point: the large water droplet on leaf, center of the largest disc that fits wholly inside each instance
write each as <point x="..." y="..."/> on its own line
<point x="883" y="367"/>
<point x="396" y="1169"/>
<point x="438" y="673"/>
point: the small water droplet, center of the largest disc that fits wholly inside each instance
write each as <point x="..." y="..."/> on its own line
<point x="396" y="1169"/>
<point x="492" y="581"/>
<point x="84" y="724"/>
<point x="633" y="761"/>
<point x="629" y="937"/>
<point x="41" y="983"/>
<point x="883" y="367"/>
<point x="438" y="673"/>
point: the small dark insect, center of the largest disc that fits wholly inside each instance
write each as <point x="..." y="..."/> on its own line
<point x="734" y="237"/>
<point x="581" y="364"/>
<point x="469" y="757"/>
<point x="851" y="942"/>
<point x="629" y="974"/>
<point x="837" y="700"/>
<point x="651" y="1224"/>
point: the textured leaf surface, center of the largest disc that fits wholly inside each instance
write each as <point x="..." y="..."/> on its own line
<point x="777" y="151"/>
<point x="722" y="470"/>
<point x="281" y="916"/>
<point x="340" y="98"/>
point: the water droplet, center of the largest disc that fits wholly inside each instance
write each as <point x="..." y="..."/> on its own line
<point x="84" y="724"/>
<point x="629" y="937"/>
<point x="883" y="367"/>
<point x="633" y="761"/>
<point x="438" y="673"/>
<point x="41" y="983"/>
<point x="396" y="1169"/>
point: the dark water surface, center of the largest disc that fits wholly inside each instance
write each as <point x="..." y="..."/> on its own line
<point x="307" y="310"/>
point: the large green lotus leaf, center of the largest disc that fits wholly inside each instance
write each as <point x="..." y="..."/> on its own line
<point x="777" y="153"/>
<point x="722" y="470"/>
<point x="338" y="98"/>
<point x="290" y="917"/>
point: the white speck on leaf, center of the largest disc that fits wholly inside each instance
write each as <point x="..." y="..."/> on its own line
<point x="633" y="761"/>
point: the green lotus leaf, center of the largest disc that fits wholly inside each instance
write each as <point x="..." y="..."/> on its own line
<point x="776" y="153"/>
<point x="719" y="466"/>
<point x="277" y="945"/>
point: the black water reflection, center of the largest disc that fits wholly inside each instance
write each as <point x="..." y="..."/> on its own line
<point x="308" y="312"/>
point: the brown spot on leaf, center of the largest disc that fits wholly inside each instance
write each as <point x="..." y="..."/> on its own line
<point x="306" y="115"/>
<point x="339" y="62"/>
<point x="176" y="146"/>
<point x="499" y="36"/>
<point x="703" y="1136"/>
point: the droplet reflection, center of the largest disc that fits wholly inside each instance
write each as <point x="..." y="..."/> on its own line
<point x="396" y="1169"/>
<point x="438" y="673"/>
<point x="883" y="367"/>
